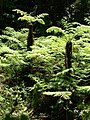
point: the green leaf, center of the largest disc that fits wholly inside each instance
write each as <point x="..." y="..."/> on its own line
<point x="64" y="94"/>
<point x="40" y="21"/>
<point x="42" y="15"/>
<point x="55" y="30"/>
<point x="27" y="18"/>
<point x="1" y="98"/>
<point x="84" y="89"/>
<point x="20" y="12"/>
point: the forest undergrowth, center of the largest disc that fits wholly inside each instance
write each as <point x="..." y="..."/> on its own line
<point x="34" y="85"/>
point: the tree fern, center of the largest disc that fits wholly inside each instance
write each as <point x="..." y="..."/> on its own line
<point x="29" y="18"/>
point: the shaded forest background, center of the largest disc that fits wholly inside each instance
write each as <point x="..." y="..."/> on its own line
<point x="75" y="10"/>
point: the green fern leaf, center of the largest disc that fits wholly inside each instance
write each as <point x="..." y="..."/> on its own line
<point x="64" y="94"/>
<point x="40" y="21"/>
<point x="27" y="18"/>
<point x="20" y="12"/>
<point x="55" y="30"/>
<point x="42" y="15"/>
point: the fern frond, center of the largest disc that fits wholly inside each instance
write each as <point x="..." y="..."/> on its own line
<point x="42" y="15"/>
<point x="83" y="89"/>
<point x="39" y="20"/>
<point x="64" y="94"/>
<point x="55" y="30"/>
<point x="20" y="11"/>
<point x="27" y="18"/>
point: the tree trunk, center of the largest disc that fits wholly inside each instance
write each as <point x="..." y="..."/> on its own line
<point x="68" y="57"/>
<point x="30" y="37"/>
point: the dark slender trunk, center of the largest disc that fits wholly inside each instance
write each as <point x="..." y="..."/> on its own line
<point x="68" y="57"/>
<point x="30" y="37"/>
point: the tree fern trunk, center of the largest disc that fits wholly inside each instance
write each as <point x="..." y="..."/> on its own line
<point x="68" y="63"/>
<point x="30" y="37"/>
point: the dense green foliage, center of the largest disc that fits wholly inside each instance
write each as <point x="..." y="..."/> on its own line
<point x="36" y="84"/>
<point x="35" y="81"/>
